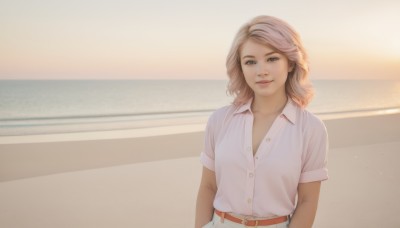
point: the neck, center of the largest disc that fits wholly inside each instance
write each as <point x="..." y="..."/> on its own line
<point x="270" y="105"/>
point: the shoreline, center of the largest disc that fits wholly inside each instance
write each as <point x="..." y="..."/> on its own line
<point x="38" y="155"/>
<point x="134" y="127"/>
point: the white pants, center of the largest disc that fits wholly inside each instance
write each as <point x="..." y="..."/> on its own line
<point x="216" y="223"/>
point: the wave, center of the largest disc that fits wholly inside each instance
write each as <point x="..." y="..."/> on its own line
<point x="108" y="116"/>
<point x="392" y="109"/>
<point x="54" y="120"/>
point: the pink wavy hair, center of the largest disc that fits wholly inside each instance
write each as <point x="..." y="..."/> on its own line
<point x="279" y="35"/>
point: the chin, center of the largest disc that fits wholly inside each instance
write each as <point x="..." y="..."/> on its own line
<point x="265" y="93"/>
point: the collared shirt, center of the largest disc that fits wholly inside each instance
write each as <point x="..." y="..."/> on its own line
<point x="293" y="151"/>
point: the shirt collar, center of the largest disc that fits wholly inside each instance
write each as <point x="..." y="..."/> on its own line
<point x="244" y="107"/>
<point x="289" y="111"/>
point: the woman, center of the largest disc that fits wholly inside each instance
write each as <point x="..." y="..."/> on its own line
<point x="265" y="149"/>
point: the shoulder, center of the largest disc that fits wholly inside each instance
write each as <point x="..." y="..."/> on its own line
<point x="311" y="122"/>
<point x="223" y="113"/>
<point x="220" y="119"/>
<point x="316" y="140"/>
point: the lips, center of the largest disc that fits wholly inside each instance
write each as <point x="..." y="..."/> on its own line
<point x="264" y="82"/>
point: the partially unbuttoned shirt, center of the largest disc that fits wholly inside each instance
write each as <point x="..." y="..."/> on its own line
<point x="293" y="151"/>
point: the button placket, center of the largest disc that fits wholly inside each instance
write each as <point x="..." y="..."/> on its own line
<point x="248" y="148"/>
<point x="266" y="144"/>
<point x="249" y="195"/>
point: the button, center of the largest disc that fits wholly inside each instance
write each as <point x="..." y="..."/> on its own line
<point x="268" y="139"/>
<point x="248" y="200"/>
<point x="249" y="148"/>
<point x="251" y="175"/>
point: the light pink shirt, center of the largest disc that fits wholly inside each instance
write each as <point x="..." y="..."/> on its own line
<point x="264" y="185"/>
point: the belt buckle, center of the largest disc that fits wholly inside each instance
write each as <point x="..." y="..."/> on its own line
<point x="245" y="220"/>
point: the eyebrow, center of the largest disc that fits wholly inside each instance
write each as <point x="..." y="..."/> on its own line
<point x="250" y="56"/>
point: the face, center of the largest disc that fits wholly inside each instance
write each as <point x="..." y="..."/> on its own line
<point x="264" y="69"/>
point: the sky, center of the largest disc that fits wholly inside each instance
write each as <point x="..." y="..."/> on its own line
<point x="183" y="39"/>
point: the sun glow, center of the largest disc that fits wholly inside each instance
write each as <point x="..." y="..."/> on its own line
<point x="140" y="41"/>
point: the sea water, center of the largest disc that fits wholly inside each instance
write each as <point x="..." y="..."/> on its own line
<point x="43" y="106"/>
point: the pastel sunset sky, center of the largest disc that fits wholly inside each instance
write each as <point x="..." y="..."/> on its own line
<point x="181" y="39"/>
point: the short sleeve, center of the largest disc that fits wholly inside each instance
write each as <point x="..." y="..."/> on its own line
<point x="207" y="155"/>
<point x="314" y="158"/>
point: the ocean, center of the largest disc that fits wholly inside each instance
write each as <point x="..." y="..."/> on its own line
<point x="57" y="106"/>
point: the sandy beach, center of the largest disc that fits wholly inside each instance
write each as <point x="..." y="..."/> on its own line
<point x="149" y="177"/>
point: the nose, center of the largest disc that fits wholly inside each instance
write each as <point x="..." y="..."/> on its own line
<point x="262" y="70"/>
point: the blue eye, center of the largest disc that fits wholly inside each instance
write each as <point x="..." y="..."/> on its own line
<point x="250" y="62"/>
<point x="272" y="59"/>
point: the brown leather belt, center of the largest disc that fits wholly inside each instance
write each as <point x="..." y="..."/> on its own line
<point x="246" y="222"/>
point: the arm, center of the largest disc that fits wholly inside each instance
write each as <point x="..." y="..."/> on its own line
<point x="307" y="202"/>
<point x="205" y="198"/>
<point x="314" y="160"/>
